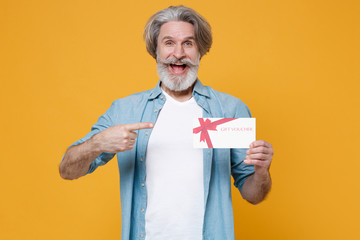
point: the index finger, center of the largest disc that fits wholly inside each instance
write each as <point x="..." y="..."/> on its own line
<point x="138" y="126"/>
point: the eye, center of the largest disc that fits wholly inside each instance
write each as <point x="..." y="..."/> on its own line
<point x="168" y="43"/>
<point x="188" y="44"/>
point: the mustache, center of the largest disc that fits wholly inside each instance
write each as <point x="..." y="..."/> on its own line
<point x="172" y="60"/>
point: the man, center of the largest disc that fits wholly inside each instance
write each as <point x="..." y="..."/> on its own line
<point x="169" y="190"/>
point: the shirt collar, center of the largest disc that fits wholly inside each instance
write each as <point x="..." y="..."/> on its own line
<point x="155" y="92"/>
<point x="198" y="88"/>
<point x="201" y="89"/>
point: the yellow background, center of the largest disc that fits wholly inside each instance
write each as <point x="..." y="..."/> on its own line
<point x="294" y="63"/>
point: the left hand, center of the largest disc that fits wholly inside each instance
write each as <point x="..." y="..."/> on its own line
<point x="260" y="155"/>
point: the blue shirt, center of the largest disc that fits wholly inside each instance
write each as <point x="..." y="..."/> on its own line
<point x="219" y="164"/>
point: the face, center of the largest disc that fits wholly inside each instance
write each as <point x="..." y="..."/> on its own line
<point x="178" y="56"/>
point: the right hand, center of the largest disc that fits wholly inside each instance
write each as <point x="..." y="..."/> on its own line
<point x="119" y="138"/>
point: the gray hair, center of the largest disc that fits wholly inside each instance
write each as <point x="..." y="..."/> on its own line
<point x="203" y="35"/>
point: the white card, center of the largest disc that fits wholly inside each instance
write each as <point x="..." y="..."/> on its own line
<point x="223" y="132"/>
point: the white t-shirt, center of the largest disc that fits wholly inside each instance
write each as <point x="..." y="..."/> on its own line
<point x="174" y="175"/>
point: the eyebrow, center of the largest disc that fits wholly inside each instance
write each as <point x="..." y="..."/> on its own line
<point x="169" y="37"/>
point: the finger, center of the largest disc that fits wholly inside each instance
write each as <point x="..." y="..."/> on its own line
<point x="132" y="135"/>
<point x="260" y="143"/>
<point x="126" y="135"/>
<point x="260" y="149"/>
<point x="258" y="156"/>
<point x="138" y="126"/>
<point x="257" y="163"/>
<point x="129" y="147"/>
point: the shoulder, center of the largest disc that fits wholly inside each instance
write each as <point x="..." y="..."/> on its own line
<point x="129" y="108"/>
<point x="231" y="106"/>
<point x="135" y="98"/>
<point x="224" y="97"/>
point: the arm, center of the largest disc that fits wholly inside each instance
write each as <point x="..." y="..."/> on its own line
<point x="77" y="160"/>
<point x="114" y="139"/>
<point x="258" y="185"/>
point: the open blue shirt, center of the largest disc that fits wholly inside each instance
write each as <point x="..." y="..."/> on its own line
<point x="219" y="164"/>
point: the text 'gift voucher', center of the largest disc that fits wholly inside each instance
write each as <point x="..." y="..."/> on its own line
<point x="223" y="132"/>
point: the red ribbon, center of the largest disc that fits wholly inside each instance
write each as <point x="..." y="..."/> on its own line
<point x="208" y="125"/>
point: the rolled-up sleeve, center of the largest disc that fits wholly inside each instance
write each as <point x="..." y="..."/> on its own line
<point x="239" y="170"/>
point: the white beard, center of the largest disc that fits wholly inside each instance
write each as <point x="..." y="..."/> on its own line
<point x="174" y="82"/>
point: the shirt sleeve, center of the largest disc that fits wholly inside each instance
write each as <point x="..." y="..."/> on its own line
<point x="102" y="123"/>
<point x="239" y="170"/>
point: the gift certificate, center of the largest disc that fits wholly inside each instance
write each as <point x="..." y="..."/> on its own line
<point x="223" y="132"/>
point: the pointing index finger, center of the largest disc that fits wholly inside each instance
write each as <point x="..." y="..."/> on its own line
<point x="138" y="126"/>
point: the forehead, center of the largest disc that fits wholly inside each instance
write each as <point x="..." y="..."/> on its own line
<point x="177" y="30"/>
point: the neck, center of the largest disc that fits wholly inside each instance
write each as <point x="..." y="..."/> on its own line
<point x="180" y="96"/>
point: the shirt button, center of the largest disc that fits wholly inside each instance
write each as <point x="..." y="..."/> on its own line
<point x="146" y="133"/>
<point x="161" y="96"/>
<point x="155" y="110"/>
<point x="142" y="210"/>
<point x="141" y="235"/>
<point x="141" y="159"/>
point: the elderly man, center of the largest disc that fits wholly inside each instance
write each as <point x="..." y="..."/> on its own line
<point x="170" y="190"/>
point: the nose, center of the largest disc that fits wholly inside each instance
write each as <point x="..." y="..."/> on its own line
<point x="179" y="52"/>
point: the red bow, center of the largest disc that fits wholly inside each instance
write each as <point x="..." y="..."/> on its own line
<point x="208" y="125"/>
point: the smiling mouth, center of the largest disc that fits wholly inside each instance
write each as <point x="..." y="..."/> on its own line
<point x="178" y="69"/>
